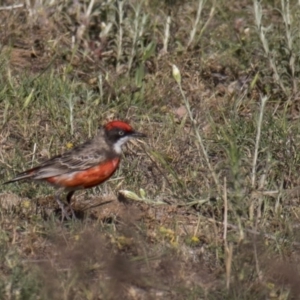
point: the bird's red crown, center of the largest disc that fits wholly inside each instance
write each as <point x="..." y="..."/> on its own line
<point x="118" y="124"/>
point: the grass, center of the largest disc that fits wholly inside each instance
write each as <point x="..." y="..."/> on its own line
<point x="207" y="206"/>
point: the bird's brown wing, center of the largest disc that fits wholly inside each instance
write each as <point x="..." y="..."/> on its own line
<point x="67" y="163"/>
<point x="80" y="158"/>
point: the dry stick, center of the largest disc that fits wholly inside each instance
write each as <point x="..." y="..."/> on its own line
<point x="258" y="134"/>
<point x="97" y="205"/>
<point x="11" y="7"/>
<point x="197" y="20"/>
<point x="210" y="16"/>
<point x="225" y="211"/>
<point x="228" y="263"/>
<point x="33" y="154"/>
<point x="132" y="196"/>
<point x="100" y="85"/>
<point x="259" y="273"/>
<point x="228" y="249"/>
<point x="198" y="225"/>
<point x="167" y="35"/>
<point x="90" y="7"/>
<point x="120" y="35"/>
<point x="254" y="163"/>
<point x="71" y="108"/>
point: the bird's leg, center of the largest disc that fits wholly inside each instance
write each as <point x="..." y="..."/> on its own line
<point x="69" y="197"/>
<point x="64" y="214"/>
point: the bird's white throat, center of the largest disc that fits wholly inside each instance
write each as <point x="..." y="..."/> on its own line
<point x="119" y="143"/>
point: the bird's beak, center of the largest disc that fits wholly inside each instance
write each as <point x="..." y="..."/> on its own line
<point x="136" y="134"/>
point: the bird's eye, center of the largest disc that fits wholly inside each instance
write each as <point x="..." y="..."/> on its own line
<point x="121" y="133"/>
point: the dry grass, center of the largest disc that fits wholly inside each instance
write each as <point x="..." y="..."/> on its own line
<point x="212" y="211"/>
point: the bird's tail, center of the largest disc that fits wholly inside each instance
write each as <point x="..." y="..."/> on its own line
<point x="22" y="176"/>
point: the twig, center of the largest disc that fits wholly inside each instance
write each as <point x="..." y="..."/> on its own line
<point x="257" y="262"/>
<point x="197" y="20"/>
<point x="166" y="35"/>
<point x="97" y="205"/>
<point x="33" y="154"/>
<point x="120" y="35"/>
<point x="225" y="211"/>
<point x="11" y="7"/>
<point x="210" y="16"/>
<point x="228" y="262"/>
<point x="228" y="247"/>
<point x="258" y="134"/>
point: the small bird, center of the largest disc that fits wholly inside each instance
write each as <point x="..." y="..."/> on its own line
<point x="86" y="165"/>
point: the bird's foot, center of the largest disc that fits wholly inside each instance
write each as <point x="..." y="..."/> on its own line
<point x="72" y="212"/>
<point x="64" y="212"/>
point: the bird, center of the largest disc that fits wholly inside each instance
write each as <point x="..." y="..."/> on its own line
<point x="84" y="166"/>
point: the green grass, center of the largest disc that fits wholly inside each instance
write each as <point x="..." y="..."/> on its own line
<point x="208" y="220"/>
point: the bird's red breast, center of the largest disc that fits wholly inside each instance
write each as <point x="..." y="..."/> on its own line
<point x="86" y="178"/>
